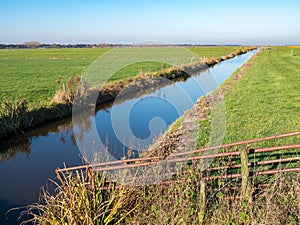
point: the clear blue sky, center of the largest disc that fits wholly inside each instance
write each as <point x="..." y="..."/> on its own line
<point x="116" y="21"/>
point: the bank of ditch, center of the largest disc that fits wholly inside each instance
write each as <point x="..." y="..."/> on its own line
<point x="264" y="103"/>
<point x="16" y="117"/>
<point x="200" y="114"/>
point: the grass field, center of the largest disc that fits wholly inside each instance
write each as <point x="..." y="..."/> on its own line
<point x="32" y="73"/>
<point x="202" y="52"/>
<point x="266" y="100"/>
<point x="213" y="51"/>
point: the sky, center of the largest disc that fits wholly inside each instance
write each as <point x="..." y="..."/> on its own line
<point x="120" y="21"/>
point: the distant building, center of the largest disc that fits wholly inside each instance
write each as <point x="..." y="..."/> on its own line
<point x="32" y="44"/>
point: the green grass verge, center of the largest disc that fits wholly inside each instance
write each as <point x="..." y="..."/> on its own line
<point x="266" y="100"/>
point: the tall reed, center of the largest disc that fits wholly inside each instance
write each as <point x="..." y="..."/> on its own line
<point x="81" y="200"/>
<point x="13" y="116"/>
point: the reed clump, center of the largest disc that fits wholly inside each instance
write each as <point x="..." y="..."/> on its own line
<point x="14" y="116"/>
<point x="65" y="93"/>
<point x="81" y="200"/>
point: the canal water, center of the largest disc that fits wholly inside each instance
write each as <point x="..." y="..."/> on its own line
<point x="28" y="162"/>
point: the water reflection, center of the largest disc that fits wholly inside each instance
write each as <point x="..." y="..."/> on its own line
<point x="21" y="145"/>
<point x="28" y="161"/>
<point x="9" y="149"/>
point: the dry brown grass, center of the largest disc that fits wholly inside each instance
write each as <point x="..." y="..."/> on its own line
<point x="175" y="203"/>
<point x="13" y="116"/>
<point x="82" y="201"/>
<point x="65" y="93"/>
<point x="279" y="203"/>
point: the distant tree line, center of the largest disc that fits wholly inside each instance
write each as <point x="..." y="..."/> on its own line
<point x="37" y="45"/>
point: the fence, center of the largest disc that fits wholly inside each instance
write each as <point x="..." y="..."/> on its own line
<point x="244" y="151"/>
<point x="241" y="150"/>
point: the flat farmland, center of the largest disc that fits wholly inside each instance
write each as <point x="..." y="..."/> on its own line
<point x="32" y="73"/>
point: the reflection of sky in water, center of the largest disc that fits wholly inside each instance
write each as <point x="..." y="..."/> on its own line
<point x="142" y="114"/>
<point x="128" y="125"/>
<point x="23" y="175"/>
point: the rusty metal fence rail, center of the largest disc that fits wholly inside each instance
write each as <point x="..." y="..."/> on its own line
<point x="239" y="148"/>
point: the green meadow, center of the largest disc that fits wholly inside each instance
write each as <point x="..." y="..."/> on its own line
<point x="32" y="73"/>
<point x="266" y="100"/>
<point x="213" y="51"/>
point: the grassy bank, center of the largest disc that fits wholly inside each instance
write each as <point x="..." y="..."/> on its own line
<point x="31" y="73"/>
<point x="261" y="98"/>
<point x="266" y="101"/>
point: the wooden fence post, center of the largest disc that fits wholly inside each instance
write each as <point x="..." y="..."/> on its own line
<point x="202" y="201"/>
<point x="246" y="186"/>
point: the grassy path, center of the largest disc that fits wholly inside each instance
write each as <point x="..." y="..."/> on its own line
<point x="266" y="100"/>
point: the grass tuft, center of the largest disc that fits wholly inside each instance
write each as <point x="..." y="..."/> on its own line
<point x="81" y="200"/>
